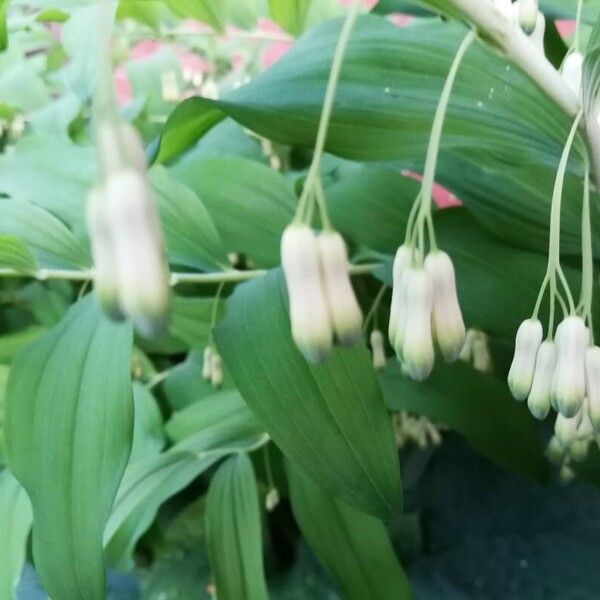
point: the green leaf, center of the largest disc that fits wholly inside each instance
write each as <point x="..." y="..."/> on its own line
<point x="191" y="319"/>
<point x="329" y="418"/>
<point x="233" y="532"/>
<point x="15" y="524"/>
<point x="476" y="405"/>
<point x="297" y="15"/>
<point x="210" y="12"/>
<point x="69" y="420"/>
<point x="354" y="547"/>
<point x="148" y="483"/>
<point x="3" y="28"/>
<point x="192" y="239"/>
<point x="48" y="239"/>
<point x="14" y="254"/>
<point x="204" y="415"/>
<point x="12" y="343"/>
<point x="148" y="432"/>
<point x="388" y="92"/>
<point x="250" y="203"/>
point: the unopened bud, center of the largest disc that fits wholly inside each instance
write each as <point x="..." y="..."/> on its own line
<point x="207" y="363"/>
<point x="447" y="318"/>
<point x="272" y="499"/>
<point x="592" y="374"/>
<point x="578" y="450"/>
<point x="566" y="474"/>
<point x="482" y="358"/>
<point x="142" y="270"/>
<point x="378" y="349"/>
<point x="344" y="310"/>
<point x="309" y="315"/>
<point x="401" y="262"/>
<point x="571" y="71"/>
<point x="467" y="351"/>
<point x="565" y="429"/>
<point x="527" y="342"/>
<point x="555" y="451"/>
<point x="568" y="385"/>
<point x="417" y="350"/>
<point x="538" y="400"/>
<point x="528" y="15"/>
<point x="103" y="255"/>
<point x="537" y="36"/>
<point x="216" y="370"/>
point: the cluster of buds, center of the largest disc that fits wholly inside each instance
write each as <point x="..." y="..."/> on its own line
<point x="563" y="374"/>
<point x="212" y="367"/>
<point x="322" y="301"/>
<point x="527" y="15"/>
<point x="417" y="430"/>
<point x="131" y="273"/>
<point x="476" y="351"/>
<point x="424" y="306"/>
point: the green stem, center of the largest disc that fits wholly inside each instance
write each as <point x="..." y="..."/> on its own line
<point x="587" y="259"/>
<point x="334" y="75"/>
<point x="577" y="25"/>
<point x="373" y="310"/>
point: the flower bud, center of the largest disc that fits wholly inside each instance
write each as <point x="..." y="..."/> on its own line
<point x="571" y="71"/>
<point x="566" y="474"/>
<point x="378" y="349"/>
<point x="103" y="255"/>
<point x="142" y="270"/>
<point x="527" y="342"/>
<point x="401" y="262"/>
<point x="207" y="363"/>
<point x="417" y="350"/>
<point x="578" y="450"/>
<point x="482" y="359"/>
<point x="538" y="400"/>
<point x="568" y="385"/>
<point x="528" y="14"/>
<point x="344" y="310"/>
<point x="555" y="451"/>
<point x="565" y="429"/>
<point x="466" y="354"/>
<point x="592" y="384"/>
<point x="537" y="36"/>
<point x="309" y="315"/>
<point x="216" y="370"/>
<point x="447" y="318"/>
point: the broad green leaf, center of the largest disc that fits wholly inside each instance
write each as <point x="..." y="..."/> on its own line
<point x="413" y="7"/>
<point x="22" y="87"/>
<point x="48" y="301"/>
<point x="354" y="547"/>
<point x="3" y="27"/>
<point x="476" y="405"/>
<point x="69" y="419"/>
<point x="297" y="15"/>
<point x="146" y="12"/>
<point x="15" y="524"/>
<point x="35" y="171"/>
<point x="12" y="343"/>
<point x="3" y="380"/>
<point x="388" y="92"/>
<point x="192" y="239"/>
<point x="48" y="239"/>
<point x="233" y="532"/>
<point x="227" y="406"/>
<point x="148" y="431"/>
<point x="14" y="254"/>
<point x="211" y="12"/>
<point x="250" y="203"/>
<point x="191" y="319"/>
<point x="328" y="418"/>
<point x="148" y="483"/>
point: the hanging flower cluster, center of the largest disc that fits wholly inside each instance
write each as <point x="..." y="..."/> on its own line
<point x="131" y="274"/>
<point x="212" y="367"/>
<point x="476" y="351"/>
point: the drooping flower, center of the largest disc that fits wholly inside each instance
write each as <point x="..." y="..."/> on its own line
<point x="568" y="385"/>
<point x="538" y="400"/>
<point x="417" y="351"/>
<point x="378" y="349"/>
<point x="312" y="329"/>
<point x="401" y="262"/>
<point x="528" y="11"/>
<point x="448" y="323"/>
<point x="571" y="71"/>
<point x="344" y="310"/>
<point x="527" y="342"/>
<point x="216" y="370"/>
<point x="592" y="374"/>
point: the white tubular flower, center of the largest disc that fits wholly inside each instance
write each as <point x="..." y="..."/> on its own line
<point x="417" y="350"/>
<point x="568" y="385"/>
<point x="103" y="254"/>
<point x="378" y="349"/>
<point x="527" y="342"/>
<point x="528" y="11"/>
<point x="578" y="450"/>
<point x="344" y="309"/>
<point x="565" y="429"/>
<point x="555" y="451"/>
<point x="142" y="270"/>
<point x="207" y="363"/>
<point x="119" y="147"/>
<point x="537" y="36"/>
<point x="538" y="400"/>
<point x="398" y="341"/>
<point x="311" y="324"/>
<point x="448" y="323"/>
<point x="592" y="384"/>
<point x="216" y="370"/>
<point x="401" y="262"/>
<point x="506" y="8"/>
<point x="482" y="358"/>
<point x="571" y="71"/>
<point x="466" y="354"/>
